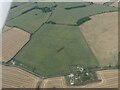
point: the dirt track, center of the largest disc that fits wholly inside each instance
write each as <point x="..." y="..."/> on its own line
<point x="109" y="80"/>
<point x="57" y="82"/>
<point x="12" y="41"/>
<point x="101" y="34"/>
<point x="15" y="78"/>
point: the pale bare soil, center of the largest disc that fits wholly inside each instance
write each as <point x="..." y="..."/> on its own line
<point x="16" y="78"/>
<point x="56" y="82"/>
<point x="115" y="4"/>
<point x="109" y="80"/>
<point x="101" y="33"/>
<point x="0" y="76"/>
<point x="119" y="35"/>
<point x="12" y="41"/>
<point x="6" y="28"/>
<point x="0" y="47"/>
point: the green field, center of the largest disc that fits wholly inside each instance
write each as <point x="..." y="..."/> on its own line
<point x="29" y="21"/>
<point x="54" y="48"/>
<point x="60" y="15"/>
<point x="42" y="52"/>
<point x="19" y="9"/>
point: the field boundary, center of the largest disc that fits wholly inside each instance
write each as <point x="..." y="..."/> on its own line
<point x="39" y="29"/>
<point x="30" y="36"/>
<point x="29" y="41"/>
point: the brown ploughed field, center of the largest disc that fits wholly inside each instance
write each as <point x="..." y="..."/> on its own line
<point x="101" y="33"/>
<point x="109" y="79"/>
<point x="16" y="78"/>
<point x="12" y="41"/>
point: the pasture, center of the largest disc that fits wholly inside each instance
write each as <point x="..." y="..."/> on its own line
<point x="17" y="11"/>
<point x="109" y="79"/>
<point x="54" y="47"/>
<point x="30" y="21"/>
<point x="61" y="15"/>
<point x="34" y="18"/>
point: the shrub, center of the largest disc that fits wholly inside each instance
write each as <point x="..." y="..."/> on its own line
<point x="68" y="8"/>
<point x="81" y="21"/>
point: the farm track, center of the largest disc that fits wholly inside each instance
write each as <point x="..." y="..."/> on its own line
<point x="49" y="82"/>
<point x="40" y="31"/>
<point x="15" y="83"/>
<point x="109" y="80"/>
<point x="57" y="82"/>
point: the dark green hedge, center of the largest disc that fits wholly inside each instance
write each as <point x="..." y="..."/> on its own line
<point x="81" y="21"/>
